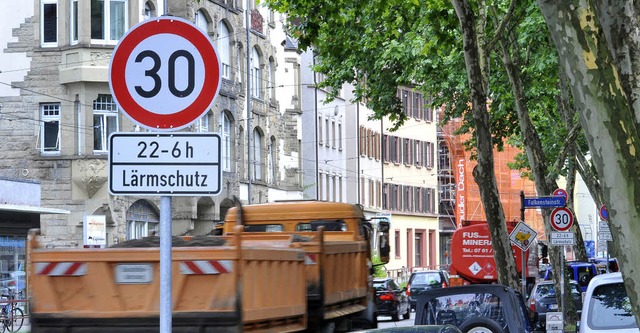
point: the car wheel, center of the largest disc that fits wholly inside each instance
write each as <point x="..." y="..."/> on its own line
<point x="407" y="314"/>
<point x="396" y="315"/>
<point x="480" y="325"/>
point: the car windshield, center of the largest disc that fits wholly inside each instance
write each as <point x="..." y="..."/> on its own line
<point x="610" y="308"/>
<point x="426" y="278"/>
<point x="548" y="290"/>
<point x="455" y="309"/>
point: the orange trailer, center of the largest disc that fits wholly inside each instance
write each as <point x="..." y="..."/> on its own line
<point x="246" y="285"/>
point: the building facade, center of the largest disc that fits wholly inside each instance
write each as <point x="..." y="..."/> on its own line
<point x="58" y="111"/>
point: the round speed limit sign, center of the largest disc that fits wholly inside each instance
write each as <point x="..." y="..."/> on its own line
<point x="561" y="219"/>
<point x="165" y="73"/>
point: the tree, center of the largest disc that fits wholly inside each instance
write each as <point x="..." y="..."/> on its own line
<point x="598" y="50"/>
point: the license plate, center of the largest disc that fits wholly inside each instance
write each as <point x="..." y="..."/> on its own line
<point x="553" y="306"/>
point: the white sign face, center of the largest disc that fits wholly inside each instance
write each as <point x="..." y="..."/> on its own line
<point x="561" y="219"/>
<point x="164" y="164"/>
<point x="165" y="73"/>
<point x="605" y="236"/>
<point x="522" y="236"/>
<point x="603" y="226"/>
<point x="562" y="238"/>
<point x="134" y="273"/>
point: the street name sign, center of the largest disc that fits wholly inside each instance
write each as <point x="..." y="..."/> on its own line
<point x="164" y="164"/>
<point x="562" y="238"/>
<point x="165" y="73"/>
<point x="522" y="236"/>
<point x="561" y="219"/>
<point x="544" y="202"/>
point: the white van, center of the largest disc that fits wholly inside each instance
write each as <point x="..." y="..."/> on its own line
<point x="606" y="306"/>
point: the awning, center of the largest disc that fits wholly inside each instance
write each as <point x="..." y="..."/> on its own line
<point x="32" y="209"/>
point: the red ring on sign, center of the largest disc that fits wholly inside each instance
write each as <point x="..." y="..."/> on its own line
<point x="571" y="219"/>
<point x="182" y="117"/>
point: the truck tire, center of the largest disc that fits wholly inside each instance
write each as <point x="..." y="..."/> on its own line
<point x="480" y="325"/>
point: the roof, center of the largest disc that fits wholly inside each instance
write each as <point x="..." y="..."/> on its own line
<point x="31" y="209"/>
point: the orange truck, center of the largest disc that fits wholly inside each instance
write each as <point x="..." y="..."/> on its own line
<point x="339" y="270"/>
<point x="472" y="259"/>
<point x="264" y="278"/>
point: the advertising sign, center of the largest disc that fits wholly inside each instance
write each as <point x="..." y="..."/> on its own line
<point x="95" y="230"/>
<point x="475" y="258"/>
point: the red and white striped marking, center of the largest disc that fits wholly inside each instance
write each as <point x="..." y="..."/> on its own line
<point x="310" y="258"/>
<point x="206" y="267"/>
<point x="61" y="268"/>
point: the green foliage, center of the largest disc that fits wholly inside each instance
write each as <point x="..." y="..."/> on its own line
<point x="378" y="268"/>
<point x="378" y="45"/>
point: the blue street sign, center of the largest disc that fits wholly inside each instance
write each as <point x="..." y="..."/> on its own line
<point x="544" y="202"/>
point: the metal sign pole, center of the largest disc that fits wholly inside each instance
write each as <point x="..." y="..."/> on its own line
<point x="562" y="278"/>
<point x="165" y="265"/>
<point x="524" y="275"/>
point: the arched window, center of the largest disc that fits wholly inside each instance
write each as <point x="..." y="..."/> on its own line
<point x="241" y="154"/>
<point x="201" y="21"/>
<point x="257" y="154"/>
<point x="225" y="136"/>
<point x="142" y="220"/>
<point x="202" y="124"/>
<point x="149" y="10"/>
<point x="224" y="50"/>
<point x="255" y="73"/>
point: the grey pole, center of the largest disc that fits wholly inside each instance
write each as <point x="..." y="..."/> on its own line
<point x="165" y="253"/>
<point x="165" y="265"/>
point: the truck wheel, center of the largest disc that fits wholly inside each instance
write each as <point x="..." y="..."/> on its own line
<point x="480" y="325"/>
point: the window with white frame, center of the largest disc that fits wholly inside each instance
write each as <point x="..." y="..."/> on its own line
<point x="105" y="122"/>
<point x="49" y="23"/>
<point x="202" y="124"/>
<point x="257" y="154"/>
<point x="273" y="172"/>
<point x="73" y="22"/>
<point x="225" y="135"/>
<point x="224" y="50"/>
<point x="255" y="73"/>
<point x="201" y="21"/>
<point x="271" y="83"/>
<point x="340" y="136"/>
<point x="108" y="20"/>
<point x="50" y="128"/>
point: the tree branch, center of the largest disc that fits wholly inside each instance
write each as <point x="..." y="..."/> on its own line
<point x="506" y="19"/>
<point x="569" y="143"/>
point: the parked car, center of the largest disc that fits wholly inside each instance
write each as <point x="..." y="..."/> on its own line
<point x="421" y="281"/>
<point x="391" y="300"/>
<point x="601" y="265"/>
<point x="487" y="308"/>
<point x="606" y="306"/>
<point x="543" y="300"/>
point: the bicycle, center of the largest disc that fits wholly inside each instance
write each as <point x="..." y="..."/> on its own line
<point x="11" y="316"/>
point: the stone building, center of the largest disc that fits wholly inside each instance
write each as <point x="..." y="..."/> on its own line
<point x="57" y="112"/>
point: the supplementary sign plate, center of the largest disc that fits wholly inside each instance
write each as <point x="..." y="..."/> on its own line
<point x="562" y="238"/>
<point x="164" y="164"/>
<point x="134" y="273"/>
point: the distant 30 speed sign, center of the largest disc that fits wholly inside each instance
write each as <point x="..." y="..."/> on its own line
<point x="561" y="219"/>
<point x="165" y="73"/>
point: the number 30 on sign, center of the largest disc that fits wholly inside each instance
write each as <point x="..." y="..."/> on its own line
<point x="561" y="219"/>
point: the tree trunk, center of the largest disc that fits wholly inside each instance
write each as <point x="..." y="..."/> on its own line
<point x="608" y="120"/>
<point x="484" y="172"/>
<point x="538" y="163"/>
